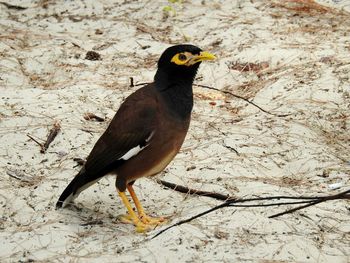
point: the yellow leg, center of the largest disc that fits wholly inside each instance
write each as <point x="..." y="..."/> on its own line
<point x="142" y="215"/>
<point x="140" y="226"/>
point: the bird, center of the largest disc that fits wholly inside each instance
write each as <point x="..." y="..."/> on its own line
<point x="145" y="134"/>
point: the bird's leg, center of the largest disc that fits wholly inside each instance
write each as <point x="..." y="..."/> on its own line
<point x="132" y="217"/>
<point x="142" y="215"/>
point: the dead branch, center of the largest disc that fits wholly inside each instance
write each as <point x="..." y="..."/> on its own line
<point x="186" y="190"/>
<point x="342" y="195"/>
<point x="309" y="200"/>
<point x="52" y="135"/>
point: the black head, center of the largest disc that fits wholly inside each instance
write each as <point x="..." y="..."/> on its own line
<point x="177" y="68"/>
<point x="183" y="58"/>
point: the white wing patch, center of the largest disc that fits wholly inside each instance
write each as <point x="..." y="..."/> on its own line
<point x="134" y="151"/>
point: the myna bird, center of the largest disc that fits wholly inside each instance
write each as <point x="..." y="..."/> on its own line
<point x="146" y="132"/>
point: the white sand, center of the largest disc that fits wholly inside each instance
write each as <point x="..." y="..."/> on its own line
<point x="44" y="78"/>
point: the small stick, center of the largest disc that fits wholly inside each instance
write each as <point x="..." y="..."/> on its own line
<point x="131" y="82"/>
<point x="242" y="98"/>
<point x="19" y="175"/>
<point x="89" y="116"/>
<point x="40" y="144"/>
<point x="189" y="219"/>
<point x="186" y="190"/>
<point x="13" y="175"/>
<point x="52" y="135"/>
<point x="15" y="7"/>
<point x="342" y="195"/>
<point x="95" y="222"/>
<point x="296" y="208"/>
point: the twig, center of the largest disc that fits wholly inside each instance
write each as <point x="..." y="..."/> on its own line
<point x="225" y="205"/>
<point x="342" y="195"/>
<point x="186" y="190"/>
<point x="295" y="209"/>
<point x="189" y="219"/>
<point x="231" y="149"/>
<point x="95" y="222"/>
<point x="40" y="144"/>
<point x="226" y="146"/>
<point x="232" y="203"/>
<point x="91" y="116"/>
<point x="52" y="135"/>
<point x="242" y="98"/>
<point x="19" y="175"/>
<point x="15" y="7"/>
<point x="231" y="200"/>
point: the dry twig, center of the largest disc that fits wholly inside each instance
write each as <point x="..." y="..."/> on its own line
<point x="242" y="98"/>
<point x="35" y="140"/>
<point x="309" y="200"/>
<point x="91" y="116"/>
<point x="14" y="7"/>
<point x="52" y="135"/>
<point x="186" y="190"/>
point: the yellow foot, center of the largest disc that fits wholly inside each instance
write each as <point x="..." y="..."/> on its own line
<point x="148" y="220"/>
<point x="142" y="224"/>
<point x="126" y="219"/>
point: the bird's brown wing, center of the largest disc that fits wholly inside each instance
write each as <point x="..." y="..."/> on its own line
<point x="132" y="125"/>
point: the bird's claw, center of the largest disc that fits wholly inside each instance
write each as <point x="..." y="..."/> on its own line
<point x="126" y="219"/>
<point x="143" y="223"/>
<point x="148" y="220"/>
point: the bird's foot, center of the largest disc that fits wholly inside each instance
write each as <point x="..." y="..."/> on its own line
<point x="148" y="220"/>
<point x="140" y="226"/>
<point x="143" y="223"/>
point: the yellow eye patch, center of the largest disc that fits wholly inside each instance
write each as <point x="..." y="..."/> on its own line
<point x="181" y="58"/>
<point x="188" y="59"/>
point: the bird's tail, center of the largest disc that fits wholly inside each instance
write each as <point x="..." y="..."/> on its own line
<point x="75" y="187"/>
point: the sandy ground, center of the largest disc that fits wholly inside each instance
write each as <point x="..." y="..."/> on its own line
<point x="288" y="57"/>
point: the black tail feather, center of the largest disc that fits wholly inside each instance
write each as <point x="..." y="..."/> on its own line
<point x="80" y="182"/>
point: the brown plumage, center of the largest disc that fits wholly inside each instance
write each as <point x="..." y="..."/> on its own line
<point x="146" y="133"/>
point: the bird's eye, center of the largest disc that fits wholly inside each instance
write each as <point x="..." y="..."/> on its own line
<point x="182" y="57"/>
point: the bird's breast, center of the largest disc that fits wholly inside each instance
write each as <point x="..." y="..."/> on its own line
<point x="161" y="164"/>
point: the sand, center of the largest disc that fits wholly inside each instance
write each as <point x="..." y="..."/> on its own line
<point x="288" y="57"/>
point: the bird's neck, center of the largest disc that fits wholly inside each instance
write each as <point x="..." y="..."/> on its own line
<point x="176" y="90"/>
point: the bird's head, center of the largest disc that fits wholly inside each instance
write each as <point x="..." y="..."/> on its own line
<point x="177" y="68"/>
<point x="183" y="58"/>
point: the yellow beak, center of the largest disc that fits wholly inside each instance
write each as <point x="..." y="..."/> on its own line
<point x="204" y="55"/>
